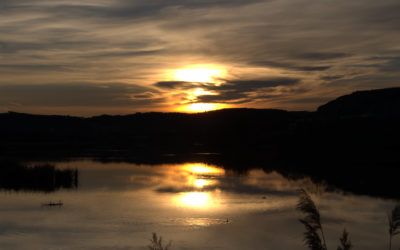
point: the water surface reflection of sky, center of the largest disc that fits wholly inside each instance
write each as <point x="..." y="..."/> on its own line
<point x="197" y="206"/>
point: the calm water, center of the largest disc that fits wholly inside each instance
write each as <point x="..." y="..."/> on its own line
<point x="197" y="206"/>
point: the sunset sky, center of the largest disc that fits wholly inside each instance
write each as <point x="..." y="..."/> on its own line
<point x="90" y="57"/>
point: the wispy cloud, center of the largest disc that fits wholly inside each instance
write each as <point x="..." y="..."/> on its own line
<point x="46" y="43"/>
<point x="233" y="91"/>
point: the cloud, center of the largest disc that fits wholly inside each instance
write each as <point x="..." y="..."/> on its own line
<point x="31" y="67"/>
<point x="232" y="91"/>
<point x="116" y="9"/>
<point x="331" y="77"/>
<point x="289" y="66"/>
<point x="176" y="85"/>
<point x="79" y="95"/>
<point x="392" y="64"/>
<point x="322" y="56"/>
<point x="252" y="85"/>
<point x="125" y="53"/>
<point x="124" y="41"/>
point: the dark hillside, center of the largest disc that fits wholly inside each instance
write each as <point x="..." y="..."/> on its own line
<point x="381" y="102"/>
<point x="357" y="126"/>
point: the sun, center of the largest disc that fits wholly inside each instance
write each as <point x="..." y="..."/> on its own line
<point x="202" y="107"/>
<point x="200" y="74"/>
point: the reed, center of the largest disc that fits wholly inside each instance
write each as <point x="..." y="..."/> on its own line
<point x="314" y="236"/>
<point x="156" y="243"/>
<point x="394" y="224"/>
<point x="345" y="243"/>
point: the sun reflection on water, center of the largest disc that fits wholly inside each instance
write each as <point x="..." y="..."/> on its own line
<point x="202" y="168"/>
<point x="200" y="222"/>
<point x="201" y="183"/>
<point x="195" y="199"/>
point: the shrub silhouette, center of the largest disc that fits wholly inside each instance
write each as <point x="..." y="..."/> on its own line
<point x="41" y="178"/>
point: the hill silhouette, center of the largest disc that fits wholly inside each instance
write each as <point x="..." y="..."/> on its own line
<point x="357" y="126"/>
<point x="381" y="102"/>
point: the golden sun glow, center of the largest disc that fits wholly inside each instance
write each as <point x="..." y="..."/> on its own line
<point x="201" y="76"/>
<point x="200" y="73"/>
<point x="201" y="107"/>
<point x="201" y="181"/>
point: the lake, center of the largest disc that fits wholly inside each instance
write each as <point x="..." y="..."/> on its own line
<point x="118" y="205"/>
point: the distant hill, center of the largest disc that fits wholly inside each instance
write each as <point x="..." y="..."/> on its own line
<point x="146" y="131"/>
<point x="381" y="102"/>
<point x="371" y="127"/>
